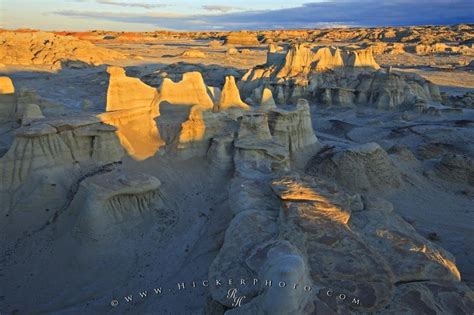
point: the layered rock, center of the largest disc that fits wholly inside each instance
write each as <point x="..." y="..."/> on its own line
<point x="56" y="146"/>
<point x="362" y="168"/>
<point x="115" y="203"/>
<point x="324" y="242"/>
<point x="255" y="148"/>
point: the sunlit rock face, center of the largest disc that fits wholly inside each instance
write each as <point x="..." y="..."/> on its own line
<point x="336" y="77"/>
<point x="126" y="93"/>
<point x="230" y="96"/>
<point x="115" y="204"/>
<point x="323" y="237"/>
<point x="58" y="145"/>
<point x="361" y="168"/>
<point x="191" y="90"/>
<point x="293" y="128"/>
<point x="241" y="38"/>
<point x="132" y="107"/>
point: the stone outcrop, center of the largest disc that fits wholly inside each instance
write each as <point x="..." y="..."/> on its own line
<point x="41" y="48"/>
<point x="267" y="101"/>
<point x="324" y="242"/>
<point x="6" y="86"/>
<point x="362" y="168"/>
<point x="132" y="107"/>
<point x="190" y="91"/>
<point x="301" y="58"/>
<point x="126" y="92"/>
<point x="230" y="96"/>
<point x="56" y="146"/>
<point x="337" y="76"/>
<point x="362" y="58"/>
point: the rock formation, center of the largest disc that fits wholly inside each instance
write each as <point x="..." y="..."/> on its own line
<point x="111" y="204"/>
<point x="255" y="147"/>
<point x="126" y="93"/>
<point x="241" y="38"/>
<point x="8" y="99"/>
<point x="293" y="129"/>
<point x="363" y="168"/>
<point x="62" y="143"/>
<point x="331" y="76"/>
<point x="41" y="48"/>
<point x="326" y="241"/>
<point x="132" y="107"/>
<point x="190" y="91"/>
<point x="230" y="96"/>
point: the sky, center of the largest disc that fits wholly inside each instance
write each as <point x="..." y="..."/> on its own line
<point x="182" y="15"/>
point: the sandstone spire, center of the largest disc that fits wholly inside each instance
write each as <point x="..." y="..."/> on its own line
<point x="230" y="96"/>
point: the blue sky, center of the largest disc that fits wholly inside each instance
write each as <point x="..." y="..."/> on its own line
<point x="143" y="15"/>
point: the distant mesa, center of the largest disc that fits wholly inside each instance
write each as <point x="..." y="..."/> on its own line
<point x="241" y="38"/>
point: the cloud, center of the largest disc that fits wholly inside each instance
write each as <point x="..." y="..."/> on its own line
<point x="219" y="8"/>
<point x="310" y="15"/>
<point x="132" y="4"/>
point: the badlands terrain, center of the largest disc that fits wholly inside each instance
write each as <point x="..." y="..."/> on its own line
<point x="156" y="172"/>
